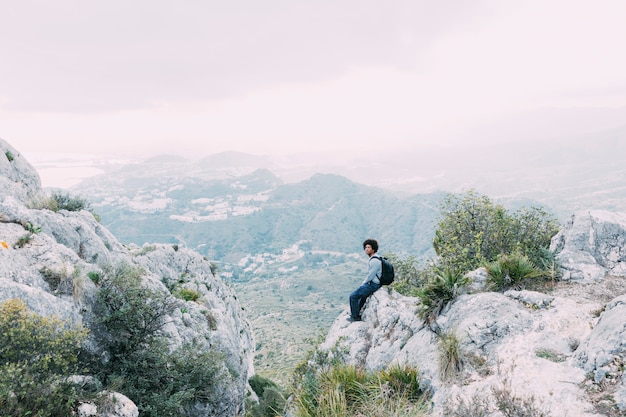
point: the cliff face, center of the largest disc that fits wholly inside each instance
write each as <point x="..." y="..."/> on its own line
<point x="74" y="245"/>
<point x="565" y="349"/>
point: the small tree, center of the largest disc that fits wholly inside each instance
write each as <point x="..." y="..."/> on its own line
<point x="473" y="231"/>
<point x="162" y="380"/>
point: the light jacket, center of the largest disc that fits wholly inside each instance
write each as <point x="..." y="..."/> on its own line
<point x="374" y="270"/>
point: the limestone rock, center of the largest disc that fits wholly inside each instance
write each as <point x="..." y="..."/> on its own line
<point x="45" y="259"/>
<point x="17" y="177"/>
<point x="592" y="244"/>
<point x="117" y="405"/>
<point x="536" y="345"/>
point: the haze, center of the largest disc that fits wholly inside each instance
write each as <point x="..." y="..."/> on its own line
<point x="136" y="79"/>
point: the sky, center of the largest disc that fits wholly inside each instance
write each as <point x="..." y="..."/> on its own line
<point x="141" y="78"/>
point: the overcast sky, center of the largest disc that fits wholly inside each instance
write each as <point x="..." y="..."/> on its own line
<point x="200" y="77"/>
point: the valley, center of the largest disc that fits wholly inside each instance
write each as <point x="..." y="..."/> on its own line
<point x="288" y="239"/>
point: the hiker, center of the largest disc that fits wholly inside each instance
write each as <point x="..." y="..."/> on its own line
<point x="371" y="282"/>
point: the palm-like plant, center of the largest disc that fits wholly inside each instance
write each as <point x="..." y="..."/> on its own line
<point x="508" y="270"/>
<point x="441" y="288"/>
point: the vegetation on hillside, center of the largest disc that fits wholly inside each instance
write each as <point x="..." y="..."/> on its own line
<point x="325" y="387"/>
<point x="474" y="232"/>
<point x="36" y="356"/>
<point x="162" y="381"/>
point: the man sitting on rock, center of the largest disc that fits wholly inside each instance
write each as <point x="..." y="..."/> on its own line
<point x="371" y="282"/>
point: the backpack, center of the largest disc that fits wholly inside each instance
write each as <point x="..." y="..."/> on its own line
<point x="387" y="275"/>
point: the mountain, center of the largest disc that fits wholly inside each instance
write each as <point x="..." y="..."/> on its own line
<point x="233" y="206"/>
<point x="228" y="216"/>
<point x="62" y="266"/>
<point x="556" y="350"/>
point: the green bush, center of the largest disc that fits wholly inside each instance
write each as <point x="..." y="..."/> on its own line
<point x="131" y="313"/>
<point x="344" y="391"/>
<point x="442" y="287"/>
<point x="168" y="383"/>
<point x="36" y="355"/>
<point x="508" y="270"/>
<point x="408" y="277"/>
<point x="474" y="231"/>
<point x="65" y="201"/>
<point x="161" y="381"/>
<point x="9" y="156"/>
<point x="187" y="294"/>
<point x="94" y="276"/>
<point x="271" y="398"/>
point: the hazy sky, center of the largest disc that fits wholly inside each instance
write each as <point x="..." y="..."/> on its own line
<point x="199" y="77"/>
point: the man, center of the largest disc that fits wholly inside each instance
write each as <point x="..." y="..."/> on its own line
<point x="370" y="284"/>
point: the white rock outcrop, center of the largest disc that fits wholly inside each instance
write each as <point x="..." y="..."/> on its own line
<point x="72" y="245"/>
<point x="592" y="244"/>
<point x="564" y="351"/>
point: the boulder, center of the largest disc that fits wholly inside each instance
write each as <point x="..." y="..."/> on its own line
<point x="592" y="244"/>
<point x="17" y="177"/>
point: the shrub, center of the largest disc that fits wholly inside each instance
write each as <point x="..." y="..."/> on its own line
<point x="509" y="270"/>
<point x="146" y="249"/>
<point x="161" y="381"/>
<point x="187" y="294"/>
<point x="408" y="275"/>
<point x="450" y="361"/>
<point x="550" y="355"/>
<point x="64" y="201"/>
<point x="9" y="156"/>
<point x="23" y="241"/>
<point x="403" y="380"/>
<point x="344" y="390"/>
<point x="131" y="313"/>
<point x="36" y="355"/>
<point x="512" y="405"/>
<point x="32" y="228"/>
<point x="271" y="398"/>
<point x="504" y="400"/>
<point x="474" y="231"/>
<point x="477" y="406"/>
<point x="442" y="287"/>
<point x="168" y="383"/>
<point x="61" y="282"/>
<point x="94" y="276"/>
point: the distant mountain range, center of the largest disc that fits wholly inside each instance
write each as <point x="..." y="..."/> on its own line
<point x="229" y="218"/>
<point x="232" y="206"/>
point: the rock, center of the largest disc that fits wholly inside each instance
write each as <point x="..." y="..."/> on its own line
<point x="524" y="341"/>
<point x="17" y="177"/>
<point x="46" y="258"/>
<point x="592" y="244"/>
<point x="602" y="353"/>
<point x="114" y="405"/>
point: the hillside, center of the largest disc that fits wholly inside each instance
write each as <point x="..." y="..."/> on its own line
<point x="229" y="217"/>
<point x="152" y="314"/>
<point x="556" y="350"/>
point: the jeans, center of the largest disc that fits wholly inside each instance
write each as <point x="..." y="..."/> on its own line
<point x="359" y="297"/>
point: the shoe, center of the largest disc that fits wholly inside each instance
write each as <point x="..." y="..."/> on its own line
<point x="357" y="318"/>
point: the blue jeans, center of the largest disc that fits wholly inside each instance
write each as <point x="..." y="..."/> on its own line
<point x="359" y="297"/>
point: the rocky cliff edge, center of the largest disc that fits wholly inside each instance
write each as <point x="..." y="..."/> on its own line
<point x="74" y="244"/>
<point x="563" y="350"/>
